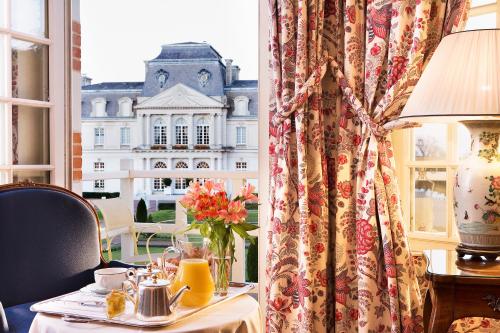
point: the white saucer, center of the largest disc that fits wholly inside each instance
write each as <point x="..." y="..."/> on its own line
<point x="95" y="289"/>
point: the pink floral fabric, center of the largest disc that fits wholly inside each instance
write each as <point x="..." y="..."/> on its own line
<point x="338" y="258"/>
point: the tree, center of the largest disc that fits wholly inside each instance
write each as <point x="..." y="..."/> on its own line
<point x="141" y="214"/>
<point x="167" y="182"/>
<point x="252" y="261"/>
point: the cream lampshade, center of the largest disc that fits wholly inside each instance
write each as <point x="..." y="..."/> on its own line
<point x="462" y="83"/>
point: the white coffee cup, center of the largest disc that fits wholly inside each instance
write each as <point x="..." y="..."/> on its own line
<point x="110" y="278"/>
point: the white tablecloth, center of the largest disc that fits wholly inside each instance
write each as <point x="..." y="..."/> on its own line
<point x="239" y="315"/>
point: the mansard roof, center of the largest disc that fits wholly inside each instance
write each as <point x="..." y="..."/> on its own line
<point x="243" y="84"/>
<point x="114" y="86"/>
<point x="180" y="96"/>
<point x="186" y="51"/>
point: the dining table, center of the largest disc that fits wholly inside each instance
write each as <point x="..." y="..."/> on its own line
<point x="238" y="315"/>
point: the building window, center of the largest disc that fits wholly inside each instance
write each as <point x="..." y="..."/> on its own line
<point x="125" y="136"/>
<point x="241" y="106"/>
<point x="202" y="165"/>
<point x="125" y="107"/>
<point x="99" y="183"/>
<point x="241" y="165"/>
<point x="181" y="132"/>
<point x="241" y="135"/>
<point x="202" y="133"/>
<point x="158" y="184"/>
<point x="181" y="183"/>
<point x="98" y="107"/>
<point x="99" y="136"/>
<point x="160" y="133"/>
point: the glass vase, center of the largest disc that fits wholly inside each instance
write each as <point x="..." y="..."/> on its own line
<point x="221" y="273"/>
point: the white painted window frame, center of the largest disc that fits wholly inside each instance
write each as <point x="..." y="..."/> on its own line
<point x="241" y="135"/>
<point x="160" y="132"/>
<point x="57" y="13"/>
<point x="125" y="136"/>
<point x="241" y="165"/>
<point x="202" y="134"/>
<point x="404" y="152"/>
<point x="99" y="136"/>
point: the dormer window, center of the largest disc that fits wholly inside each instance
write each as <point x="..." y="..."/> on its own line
<point x="125" y="107"/>
<point x="99" y="107"/>
<point x="241" y="106"/>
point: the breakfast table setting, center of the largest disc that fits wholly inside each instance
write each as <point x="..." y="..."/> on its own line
<point x="187" y="289"/>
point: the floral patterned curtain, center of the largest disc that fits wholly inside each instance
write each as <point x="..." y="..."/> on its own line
<point x="338" y="258"/>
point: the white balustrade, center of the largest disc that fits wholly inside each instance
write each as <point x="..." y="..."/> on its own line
<point x="233" y="181"/>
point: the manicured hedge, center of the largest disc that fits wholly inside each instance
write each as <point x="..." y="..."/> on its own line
<point x="252" y="262"/>
<point x="141" y="214"/>
<point x="166" y="206"/>
<point x="99" y="195"/>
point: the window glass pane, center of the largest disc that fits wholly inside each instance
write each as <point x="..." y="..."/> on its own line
<point x="2" y="13"/>
<point x="463" y="142"/>
<point x="30" y="70"/>
<point x="32" y="175"/>
<point x="4" y="177"/>
<point x="429" y="199"/>
<point x="3" y="71"/>
<point x="486" y="21"/>
<point x="477" y="3"/>
<point x="4" y="135"/>
<point x="30" y="135"/>
<point x="430" y="142"/>
<point x="30" y="16"/>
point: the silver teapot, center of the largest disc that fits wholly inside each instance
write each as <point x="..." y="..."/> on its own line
<point x="142" y="274"/>
<point x="153" y="300"/>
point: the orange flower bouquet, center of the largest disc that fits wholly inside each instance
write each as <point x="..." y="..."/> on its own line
<point x="218" y="218"/>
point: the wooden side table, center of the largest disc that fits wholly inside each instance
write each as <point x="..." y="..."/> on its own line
<point x="460" y="287"/>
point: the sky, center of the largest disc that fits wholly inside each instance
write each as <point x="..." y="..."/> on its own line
<point x="119" y="35"/>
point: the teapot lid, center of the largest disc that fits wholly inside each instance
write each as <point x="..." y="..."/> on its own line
<point x="154" y="282"/>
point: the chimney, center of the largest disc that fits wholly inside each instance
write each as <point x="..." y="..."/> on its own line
<point x="236" y="73"/>
<point x="229" y="72"/>
<point x="85" y="80"/>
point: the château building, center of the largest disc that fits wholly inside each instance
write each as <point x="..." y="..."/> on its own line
<point x="191" y="112"/>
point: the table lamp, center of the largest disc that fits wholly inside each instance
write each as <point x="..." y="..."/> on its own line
<point x="462" y="83"/>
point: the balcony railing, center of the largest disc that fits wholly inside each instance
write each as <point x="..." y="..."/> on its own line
<point x="233" y="181"/>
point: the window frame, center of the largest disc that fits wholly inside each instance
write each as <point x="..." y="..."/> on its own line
<point x="404" y="152"/>
<point x="99" y="184"/>
<point x="57" y="14"/>
<point x="180" y="183"/>
<point x="160" y="133"/>
<point x="99" y="136"/>
<point x="203" y="134"/>
<point x="158" y="184"/>
<point x="124" y="134"/>
<point x="241" y="165"/>
<point x="181" y="132"/>
<point x="241" y="135"/>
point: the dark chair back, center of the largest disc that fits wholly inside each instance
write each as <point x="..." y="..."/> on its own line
<point x="49" y="242"/>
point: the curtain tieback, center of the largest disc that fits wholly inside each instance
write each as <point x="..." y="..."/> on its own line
<point x="313" y="82"/>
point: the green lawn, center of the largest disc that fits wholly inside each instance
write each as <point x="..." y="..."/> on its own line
<point x="166" y="215"/>
<point x="117" y="253"/>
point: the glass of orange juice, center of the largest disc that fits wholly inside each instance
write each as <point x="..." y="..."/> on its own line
<point x="194" y="271"/>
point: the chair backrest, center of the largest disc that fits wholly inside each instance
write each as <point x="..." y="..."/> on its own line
<point x="116" y="213"/>
<point x="49" y="242"/>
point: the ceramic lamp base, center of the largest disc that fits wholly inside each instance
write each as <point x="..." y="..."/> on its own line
<point x="477" y="192"/>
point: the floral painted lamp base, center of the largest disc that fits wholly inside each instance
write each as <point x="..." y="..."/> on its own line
<point x="477" y="193"/>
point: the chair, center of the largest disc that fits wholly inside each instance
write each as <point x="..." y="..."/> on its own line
<point x="49" y="245"/>
<point x="119" y="220"/>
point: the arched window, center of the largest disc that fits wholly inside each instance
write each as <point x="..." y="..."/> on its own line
<point x="202" y="165"/>
<point x="125" y="107"/>
<point x="202" y="132"/>
<point x="98" y="107"/>
<point x="160" y="132"/>
<point x="181" y="132"/>
<point x="158" y="182"/>
<point x="181" y="183"/>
